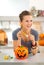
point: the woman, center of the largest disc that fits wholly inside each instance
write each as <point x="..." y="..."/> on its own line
<point x="25" y="35"/>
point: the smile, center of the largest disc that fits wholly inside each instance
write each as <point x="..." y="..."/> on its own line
<point x="21" y="55"/>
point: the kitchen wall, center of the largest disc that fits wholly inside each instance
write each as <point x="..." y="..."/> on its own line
<point x="13" y="7"/>
<point x="39" y="4"/>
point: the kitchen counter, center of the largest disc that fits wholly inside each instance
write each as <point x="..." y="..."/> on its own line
<point x="32" y="59"/>
<point x="37" y="59"/>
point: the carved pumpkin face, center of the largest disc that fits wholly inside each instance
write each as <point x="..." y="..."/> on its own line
<point x="21" y="52"/>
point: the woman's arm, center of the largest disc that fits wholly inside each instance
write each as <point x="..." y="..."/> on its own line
<point x="34" y="48"/>
<point x="17" y="42"/>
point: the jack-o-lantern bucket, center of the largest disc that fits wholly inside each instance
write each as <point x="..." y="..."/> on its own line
<point x="21" y="52"/>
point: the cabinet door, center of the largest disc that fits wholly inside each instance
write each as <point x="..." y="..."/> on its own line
<point x="37" y="26"/>
<point x="5" y="24"/>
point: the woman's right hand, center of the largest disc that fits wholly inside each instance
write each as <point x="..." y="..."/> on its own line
<point x="19" y="38"/>
<point x="19" y="35"/>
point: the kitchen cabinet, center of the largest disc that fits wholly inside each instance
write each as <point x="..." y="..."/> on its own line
<point x="7" y="22"/>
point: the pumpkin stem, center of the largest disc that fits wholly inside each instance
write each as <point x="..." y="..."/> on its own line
<point x="22" y="46"/>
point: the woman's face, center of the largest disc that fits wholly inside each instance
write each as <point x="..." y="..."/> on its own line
<point x="26" y="22"/>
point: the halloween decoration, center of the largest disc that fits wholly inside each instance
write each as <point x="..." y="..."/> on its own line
<point x="7" y="57"/>
<point x="3" y="37"/>
<point x="34" y="12"/>
<point x="41" y="39"/>
<point x="41" y="36"/>
<point x="21" y="52"/>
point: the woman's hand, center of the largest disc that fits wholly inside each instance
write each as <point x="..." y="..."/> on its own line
<point x="34" y="50"/>
<point x="19" y="35"/>
<point x="32" y="38"/>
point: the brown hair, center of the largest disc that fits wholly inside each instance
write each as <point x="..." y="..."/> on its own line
<point x="24" y="13"/>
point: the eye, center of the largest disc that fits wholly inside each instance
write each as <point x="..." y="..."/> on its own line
<point x="30" y="20"/>
<point x="27" y="21"/>
<point x="19" y="50"/>
<point x="23" y="50"/>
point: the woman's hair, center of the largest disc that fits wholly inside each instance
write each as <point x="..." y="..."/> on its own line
<point x="24" y="13"/>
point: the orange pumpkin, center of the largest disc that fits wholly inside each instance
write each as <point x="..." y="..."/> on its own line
<point x="41" y="42"/>
<point x="21" y="52"/>
<point x="41" y="35"/>
<point x="41" y="39"/>
<point x="3" y="37"/>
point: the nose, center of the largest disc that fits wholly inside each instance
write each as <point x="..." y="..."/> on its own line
<point x="21" y="52"/>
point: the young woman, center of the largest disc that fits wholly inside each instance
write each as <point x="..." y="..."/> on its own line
<point x="25" y="35"/>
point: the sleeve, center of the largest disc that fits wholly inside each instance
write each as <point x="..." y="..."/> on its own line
<point x="36" y="36"/>
<point x="14" y="35"/>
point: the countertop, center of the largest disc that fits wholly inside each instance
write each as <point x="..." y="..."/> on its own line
<point x="38" y="58"/>
<point x="32" y="59"/>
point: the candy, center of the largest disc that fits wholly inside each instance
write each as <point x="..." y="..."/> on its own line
<point x="6" y="57"/>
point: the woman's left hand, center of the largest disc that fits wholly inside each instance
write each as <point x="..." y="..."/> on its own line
<point x="32" y="38"/>
<point x="34" y="50"/>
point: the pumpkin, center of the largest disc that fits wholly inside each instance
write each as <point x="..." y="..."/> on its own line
<point x="41" y="42"/>
<point x="41" y="36"/>
<point x="3" y="37"/>
<point x="21" y="52"/>
<point x="41" y="39"/>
